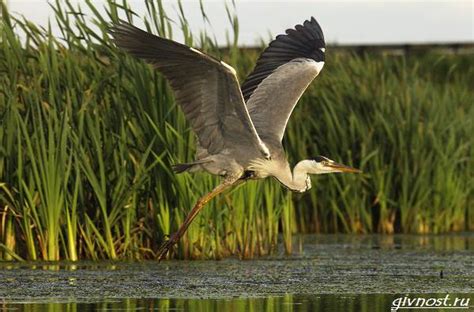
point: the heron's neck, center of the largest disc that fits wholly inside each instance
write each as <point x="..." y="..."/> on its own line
<point x="299" y="180"/>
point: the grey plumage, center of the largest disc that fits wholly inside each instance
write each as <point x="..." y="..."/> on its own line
<point x="239" y="131"/>
<point x="282" y="73"/>
<point x="206" y="89"/>
<point x="305" y="41"/>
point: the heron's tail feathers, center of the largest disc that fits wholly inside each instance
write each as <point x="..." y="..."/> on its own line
<point x="180" y="168"/>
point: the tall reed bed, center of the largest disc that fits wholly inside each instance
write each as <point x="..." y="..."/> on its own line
<point x="88" y="135"/>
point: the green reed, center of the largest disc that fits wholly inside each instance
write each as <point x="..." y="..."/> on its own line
<point x="88" y="136"/>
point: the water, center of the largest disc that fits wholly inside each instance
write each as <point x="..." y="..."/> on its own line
<point x="326" y="302"/>
<point x="329" y="273"/>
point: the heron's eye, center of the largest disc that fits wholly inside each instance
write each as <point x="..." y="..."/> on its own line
<point x="325" y="163"/>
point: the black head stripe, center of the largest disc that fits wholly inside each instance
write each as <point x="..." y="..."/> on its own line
<point x="320" y="158"/>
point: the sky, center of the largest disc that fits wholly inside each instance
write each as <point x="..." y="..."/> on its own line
<point x="343" y="22"/>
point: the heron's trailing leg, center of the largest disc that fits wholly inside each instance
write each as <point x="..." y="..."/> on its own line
<point x="190" y="217"/>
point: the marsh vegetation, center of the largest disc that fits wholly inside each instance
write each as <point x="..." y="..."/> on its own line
<point x="88" y="136"/>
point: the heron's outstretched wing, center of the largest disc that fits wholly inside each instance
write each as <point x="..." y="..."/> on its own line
<point x="282" y="73"/>
<point x="206" y="89"/>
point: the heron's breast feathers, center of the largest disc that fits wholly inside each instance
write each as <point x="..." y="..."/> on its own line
<point x="263" y="167"/>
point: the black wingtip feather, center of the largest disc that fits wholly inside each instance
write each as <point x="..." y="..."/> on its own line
<point x="305" y="40"/>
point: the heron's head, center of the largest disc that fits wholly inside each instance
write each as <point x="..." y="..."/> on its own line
<point x="322" y="165"/>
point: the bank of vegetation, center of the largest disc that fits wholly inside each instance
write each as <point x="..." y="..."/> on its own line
<point x="88" y="136"/>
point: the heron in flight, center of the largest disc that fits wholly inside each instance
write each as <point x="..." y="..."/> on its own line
<point x="239" y="129"/>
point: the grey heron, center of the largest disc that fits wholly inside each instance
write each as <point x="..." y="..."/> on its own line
<point x="239" y="129"/>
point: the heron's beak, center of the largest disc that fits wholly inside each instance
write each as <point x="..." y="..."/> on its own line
<point x="343" y="168"/>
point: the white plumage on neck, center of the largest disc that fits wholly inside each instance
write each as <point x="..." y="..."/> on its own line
<point x="298" y="180"/>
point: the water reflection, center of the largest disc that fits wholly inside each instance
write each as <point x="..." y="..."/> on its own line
<point x="445" y="242"/>
<point x="271" y="304"/>
<point x="287" y="303"/>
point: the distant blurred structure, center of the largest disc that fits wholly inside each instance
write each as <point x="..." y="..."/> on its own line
<point x="399" y="49"/>
<point x="405" y="49"/>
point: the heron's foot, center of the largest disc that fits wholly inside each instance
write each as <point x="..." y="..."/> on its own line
<point x="167" y="245"/>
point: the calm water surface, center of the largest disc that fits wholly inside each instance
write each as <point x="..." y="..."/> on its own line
<point x="327" y="273"/>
